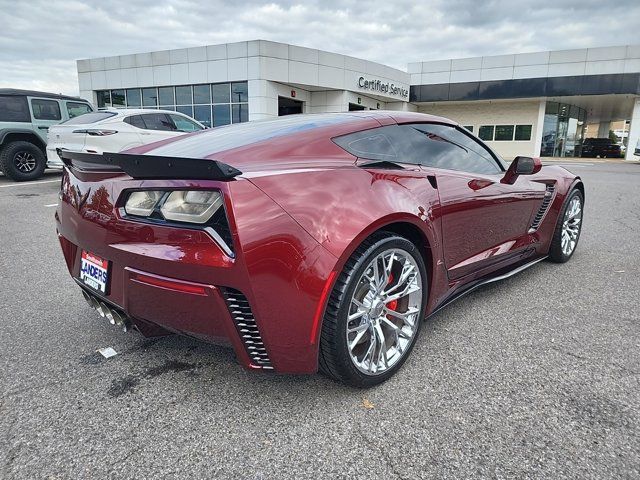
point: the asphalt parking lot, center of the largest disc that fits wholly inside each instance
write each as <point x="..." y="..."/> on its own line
<point x="537" y="376"/>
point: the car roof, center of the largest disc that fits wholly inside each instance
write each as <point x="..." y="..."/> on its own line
<point x="136" y="111"/>
<point x="304" y="127"/>
<point x="35" y="93"/>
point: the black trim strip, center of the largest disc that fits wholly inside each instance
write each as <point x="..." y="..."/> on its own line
<point x="479" y="283"/>
<point x="614" y="83"/>
<point x="150" y="166"/>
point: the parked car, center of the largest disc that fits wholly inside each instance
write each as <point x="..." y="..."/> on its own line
<point x="600" y="147"/>
<point x="116" y="130"/>
<point x="25" y="117"/>
<point x="308" y="241"/>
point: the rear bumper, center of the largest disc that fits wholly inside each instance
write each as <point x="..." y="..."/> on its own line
<point x="53" y="160"/>
<point x="159" y="305"/>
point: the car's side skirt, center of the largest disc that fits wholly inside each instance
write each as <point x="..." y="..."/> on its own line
<point x="479" y="283"/>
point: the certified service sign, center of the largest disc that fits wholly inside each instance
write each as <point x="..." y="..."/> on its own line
<point x="382" y="87"/>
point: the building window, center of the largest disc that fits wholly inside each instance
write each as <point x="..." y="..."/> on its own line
<point x="202" y="113"/>
<point x="185" y="109"/>
<point x="221" y="93"/>
<point x="183" y="95"/>
<point x="504" y="133"/>
<point x="104" y="98"/>
<point x="211" y="104"/>
<point x="118" y="98"/>
<point x="149" y="97"/>
<point x="201" y="94"/>
<point x="468" y="127"/>
<point x="134" y="98"/>
<point x="165" y="96"/>
<point x="239" y="92"/>
<point x="221" y="115"/>
<point x="485" y="132"/>
<point x="523" y="132"/>
<point x="240" y="112"/>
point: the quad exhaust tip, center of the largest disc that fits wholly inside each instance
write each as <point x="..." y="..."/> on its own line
<point x="114" y="316"/>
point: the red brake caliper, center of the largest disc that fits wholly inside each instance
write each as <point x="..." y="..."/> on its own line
<point x="393" y="304"/>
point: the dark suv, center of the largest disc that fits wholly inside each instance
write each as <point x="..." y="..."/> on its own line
<point x="600" y="147"/>
<point x="25" y="117"/>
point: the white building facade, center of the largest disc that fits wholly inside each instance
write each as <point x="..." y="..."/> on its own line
<point x="523" y="104"/>
<point x="247" y="81"/>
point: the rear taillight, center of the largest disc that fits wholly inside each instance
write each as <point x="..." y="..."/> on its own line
<point x="96" y="132"/>
<point x="191" y="206"/>
<point x="202" y="209"/>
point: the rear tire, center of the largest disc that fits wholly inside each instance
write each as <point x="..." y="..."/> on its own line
<point x="568" y="228"/>
<point x="22" y="161"/>
<point x="381" y="329"/>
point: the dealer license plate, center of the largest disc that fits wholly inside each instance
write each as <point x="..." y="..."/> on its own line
<point x="94" y="271"/>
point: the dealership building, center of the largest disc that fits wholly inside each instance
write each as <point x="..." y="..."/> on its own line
<point x="536" y="104"/>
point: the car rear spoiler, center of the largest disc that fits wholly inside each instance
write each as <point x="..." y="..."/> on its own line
<point x="149" y="166"/>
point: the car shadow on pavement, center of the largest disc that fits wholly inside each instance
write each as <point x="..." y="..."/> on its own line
<point x="187" y="367"/>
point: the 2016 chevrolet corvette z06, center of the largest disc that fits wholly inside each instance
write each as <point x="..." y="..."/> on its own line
<point x="310" y="241"/>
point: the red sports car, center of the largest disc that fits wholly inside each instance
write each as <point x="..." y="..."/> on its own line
<point x="310" y="241"/>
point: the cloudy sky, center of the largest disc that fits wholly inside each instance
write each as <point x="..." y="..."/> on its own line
<point x="41" y="39"/>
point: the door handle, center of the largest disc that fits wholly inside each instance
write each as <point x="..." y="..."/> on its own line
<point x="42" y="127"/>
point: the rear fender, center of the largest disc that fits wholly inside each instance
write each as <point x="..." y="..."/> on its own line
<point x="359" y="203"/>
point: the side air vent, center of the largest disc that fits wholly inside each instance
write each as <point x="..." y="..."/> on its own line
<point x="542" y="211"/>
<point x="242" y="315"/>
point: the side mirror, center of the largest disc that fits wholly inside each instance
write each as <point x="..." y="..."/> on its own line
<point x="521" y="166"/>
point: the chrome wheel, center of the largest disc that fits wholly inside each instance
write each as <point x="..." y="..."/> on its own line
<point x="24" y="161"/>
<point x="571" y="225"/>
<point x="384" y="311"/>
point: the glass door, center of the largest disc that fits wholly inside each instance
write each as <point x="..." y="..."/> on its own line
<point x="561" y="136"/>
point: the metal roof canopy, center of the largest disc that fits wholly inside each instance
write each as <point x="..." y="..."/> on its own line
<point x="601" y="108"/>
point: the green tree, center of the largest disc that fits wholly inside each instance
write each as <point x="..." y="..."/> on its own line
<point x="613" y="137"/>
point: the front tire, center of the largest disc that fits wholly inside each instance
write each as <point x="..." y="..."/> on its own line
<point x="375" y="312"/>
<point x="568" y="228"/>
<point x="22" y="161"/>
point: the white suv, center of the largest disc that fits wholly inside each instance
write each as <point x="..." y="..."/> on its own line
<point x="115" y="130"/>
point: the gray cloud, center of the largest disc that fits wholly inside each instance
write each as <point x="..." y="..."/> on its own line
<point x="41" y="39"/>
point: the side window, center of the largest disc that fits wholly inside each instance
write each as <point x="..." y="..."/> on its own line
<point x="76" y="108"/>
<point x="449" y="148"/>
<point x="14" y="108"/>
<point x="136" y="121"/>
<point x="434" y="145"/>
<point x="158" y="121"/>
<point x="371" y="144"/>
<point x="391" y="143"/>
<point x="183" y="124"/>
<point x="45" y="109"/>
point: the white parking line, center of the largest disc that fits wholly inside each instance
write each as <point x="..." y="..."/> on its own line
<point x="52" y="205"/>
<point x="25" y="184"/>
